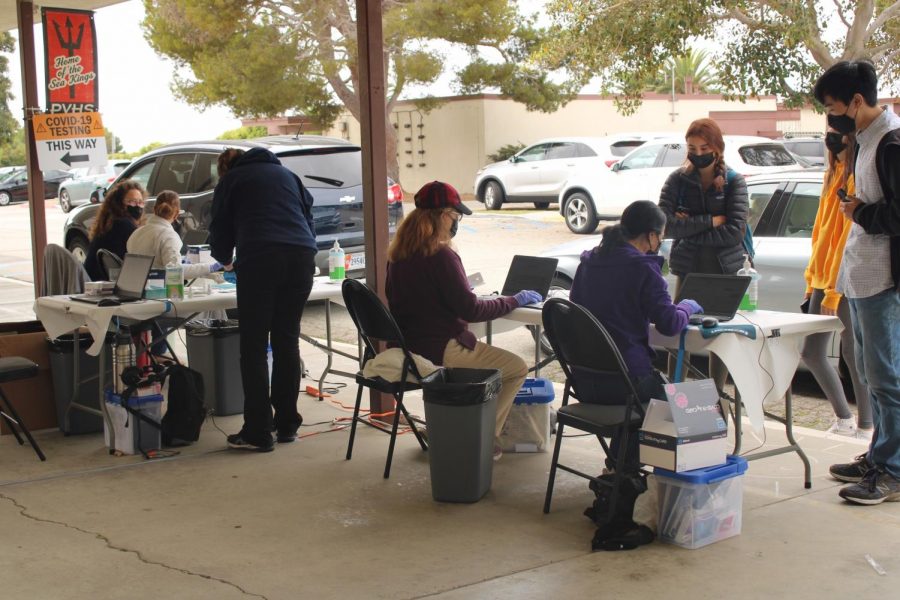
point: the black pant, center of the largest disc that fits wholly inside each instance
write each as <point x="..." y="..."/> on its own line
<point x="272" y="289"/>
<point x="612" y="391"/>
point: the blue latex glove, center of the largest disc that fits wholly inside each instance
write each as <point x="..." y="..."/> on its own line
<point x="527" y="297"/>
<point x="690" y="306"/>
<point x="216" y="266"/>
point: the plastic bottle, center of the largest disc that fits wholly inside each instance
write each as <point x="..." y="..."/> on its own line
<point x="336" y="262"/>
<point x="175" y="281"/>
<point x="749" y="301"/>
<point x="269" y="360"/>
<point x="123" y="357"/>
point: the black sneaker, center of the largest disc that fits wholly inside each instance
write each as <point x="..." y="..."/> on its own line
<point x="286" y="437"/>
<point x="851" y="472"/>
<point x="876" y="487"/>
<point x="238" y="442"/>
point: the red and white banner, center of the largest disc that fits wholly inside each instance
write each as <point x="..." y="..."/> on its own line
<point x="70" y="48"/>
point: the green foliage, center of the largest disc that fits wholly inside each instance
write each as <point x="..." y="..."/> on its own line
<point x="693" y="64"/>
<point x="113" y="142"/>
<point x="146" y="149"/>
<point x="9" y="125"/>
<point x="12" y="152"/>
<point x="244" y="133"/>
<point x="268" y="57"/>
<point x="762" y="47"/>
<point x="505" y="152"/>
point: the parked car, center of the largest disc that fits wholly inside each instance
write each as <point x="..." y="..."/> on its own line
<point x="782" y="214"/>
<point x="86" y="182"/>
<point x="537" y="173"/>
<point x="14" y="186"/>
<point x="588" y="197"/>
<point x="331" y="169"/>
<point x="812" y="149"/>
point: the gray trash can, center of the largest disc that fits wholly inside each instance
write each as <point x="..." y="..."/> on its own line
<point x="214" y="349"/>
<point x="63" y="373"/>
<point x="461" y="413"/>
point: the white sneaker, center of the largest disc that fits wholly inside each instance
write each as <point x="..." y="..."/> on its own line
<point x="864" y="434"/>
<point x="846" y="427"/>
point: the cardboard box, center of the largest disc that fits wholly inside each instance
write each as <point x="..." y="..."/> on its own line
<point x="686" y="431"/>
<point x="32" y="398"/>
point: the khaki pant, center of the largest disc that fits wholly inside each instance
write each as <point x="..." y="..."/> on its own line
<point x="513" y="371"/>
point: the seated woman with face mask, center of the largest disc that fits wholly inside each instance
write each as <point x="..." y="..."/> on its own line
<point x="159" y="239"/>
<point x="620" y="282"/>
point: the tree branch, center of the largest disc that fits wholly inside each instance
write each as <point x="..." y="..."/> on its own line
<point x="856" y="37"/>
<point x="840" y="13"/>
<point x="750" y="22"/>
<point x="883" y="17"/>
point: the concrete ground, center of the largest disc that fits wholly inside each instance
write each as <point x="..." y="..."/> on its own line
<point x="302" y="522"/>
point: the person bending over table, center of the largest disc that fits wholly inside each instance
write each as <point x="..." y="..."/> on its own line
<point x="261" y="209"/>
<point x="158" y="238"/>
<point x="621" y="283"/>
<point x="121" y="212"/>
<point x="430" y="297"/>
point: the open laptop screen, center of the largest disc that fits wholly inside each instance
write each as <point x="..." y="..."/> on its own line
<point x="133" y="276"/>
<point x="530" y="273"/>
<point x="719" y="295"/>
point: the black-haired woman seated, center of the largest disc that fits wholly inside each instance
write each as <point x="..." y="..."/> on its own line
<point x="621" y="283"/>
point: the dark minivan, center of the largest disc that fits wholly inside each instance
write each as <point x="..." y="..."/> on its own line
<point x="331" y="169"/>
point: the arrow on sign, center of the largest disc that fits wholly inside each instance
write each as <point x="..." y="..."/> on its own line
<point x="72" y="158"/>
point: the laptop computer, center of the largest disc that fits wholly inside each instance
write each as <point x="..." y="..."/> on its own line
<point x="719" y="295"/>
<point x="195" y="237"/>
<point x="530" y="273"/>
<point x="130" y="283"/>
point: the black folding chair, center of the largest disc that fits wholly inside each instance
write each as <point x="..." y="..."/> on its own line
<point x="110" y="263"/>
<point x="375" y="324"/>
<point x="582" y="344"/>
<point x="16" y="368"/>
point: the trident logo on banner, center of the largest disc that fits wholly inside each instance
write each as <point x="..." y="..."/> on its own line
<point x="70" y="46"/>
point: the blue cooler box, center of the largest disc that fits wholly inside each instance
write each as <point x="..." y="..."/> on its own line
<point x="699" y="507"/>
<point x="527" y="428"/>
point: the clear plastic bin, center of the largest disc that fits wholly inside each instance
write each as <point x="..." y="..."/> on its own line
<point x="527" y="428"/>
<point x="703" y="506"/>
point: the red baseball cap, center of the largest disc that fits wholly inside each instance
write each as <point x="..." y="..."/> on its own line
<point x="438" y="194"/>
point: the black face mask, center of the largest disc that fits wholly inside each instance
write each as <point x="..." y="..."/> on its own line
<point x="135" y="212"/>
<point x="835" y="143"/>
<point x="176" y="226"/>
<point x="454" y="228"/>
<point x="842" y="123"/>
<point x="701" y="161"/>
<point x="651" y="251"/>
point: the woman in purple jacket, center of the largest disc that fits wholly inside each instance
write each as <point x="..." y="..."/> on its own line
<point x="431" y="300"/>
<point x="621" y="283"/>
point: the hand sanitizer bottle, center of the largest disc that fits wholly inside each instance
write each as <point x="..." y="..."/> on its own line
<point x="175" y="281"/>
<point x="749" y="301"/>
<point x="336" y="262"/>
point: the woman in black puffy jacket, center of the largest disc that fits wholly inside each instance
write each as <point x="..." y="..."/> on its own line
<point x="706" y="210"/>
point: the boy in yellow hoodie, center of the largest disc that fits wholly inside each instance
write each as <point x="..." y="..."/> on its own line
<point x="828" y="238"/>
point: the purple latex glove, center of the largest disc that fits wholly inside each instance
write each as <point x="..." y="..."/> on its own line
<point x="690" y="306"/>
<point x="216" y="266"/>
<point x="527" y="297"/>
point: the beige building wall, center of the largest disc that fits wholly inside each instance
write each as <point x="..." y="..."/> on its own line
<point x="460" y="133"/>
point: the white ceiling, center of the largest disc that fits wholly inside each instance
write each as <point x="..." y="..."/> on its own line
<point x="9" y="20"/>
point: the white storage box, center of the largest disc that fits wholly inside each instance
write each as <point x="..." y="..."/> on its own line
<point x="133" y="434"/>
<point x="699" y="507"/>
<point x="527" y="428"/>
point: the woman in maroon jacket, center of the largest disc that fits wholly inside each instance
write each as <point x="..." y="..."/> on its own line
<point x="431" y="300"/>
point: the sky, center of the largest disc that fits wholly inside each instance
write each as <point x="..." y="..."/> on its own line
<point x="136" y="101"/>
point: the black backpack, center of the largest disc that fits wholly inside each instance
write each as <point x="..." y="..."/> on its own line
<point x="186" y="411"/>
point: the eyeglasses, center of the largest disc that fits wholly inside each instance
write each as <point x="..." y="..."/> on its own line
<point x="456" y="216"/>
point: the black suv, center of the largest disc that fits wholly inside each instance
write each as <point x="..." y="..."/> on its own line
<point x="331" y="169"/>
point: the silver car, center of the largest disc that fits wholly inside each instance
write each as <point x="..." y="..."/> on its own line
<point x="783" y="210"/>
<point x="537" y="173"/>
<point x="86" y="182"/>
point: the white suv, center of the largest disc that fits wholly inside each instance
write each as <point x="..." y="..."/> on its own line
<point x="604" y="193"/>
<point x="538" y="173"/>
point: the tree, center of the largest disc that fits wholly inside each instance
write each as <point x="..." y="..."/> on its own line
<point x="505" y="151"/>
<point x="12" y="136"/>
<point x="244" y="133"/>
<point x="113" y="142"/>
<point x="692" y="66"/>
<point x="269" y="57"/>
<point x="764" y="47"/>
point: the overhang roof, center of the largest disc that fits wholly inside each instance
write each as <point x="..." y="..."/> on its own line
<point x="8" y="19"/>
